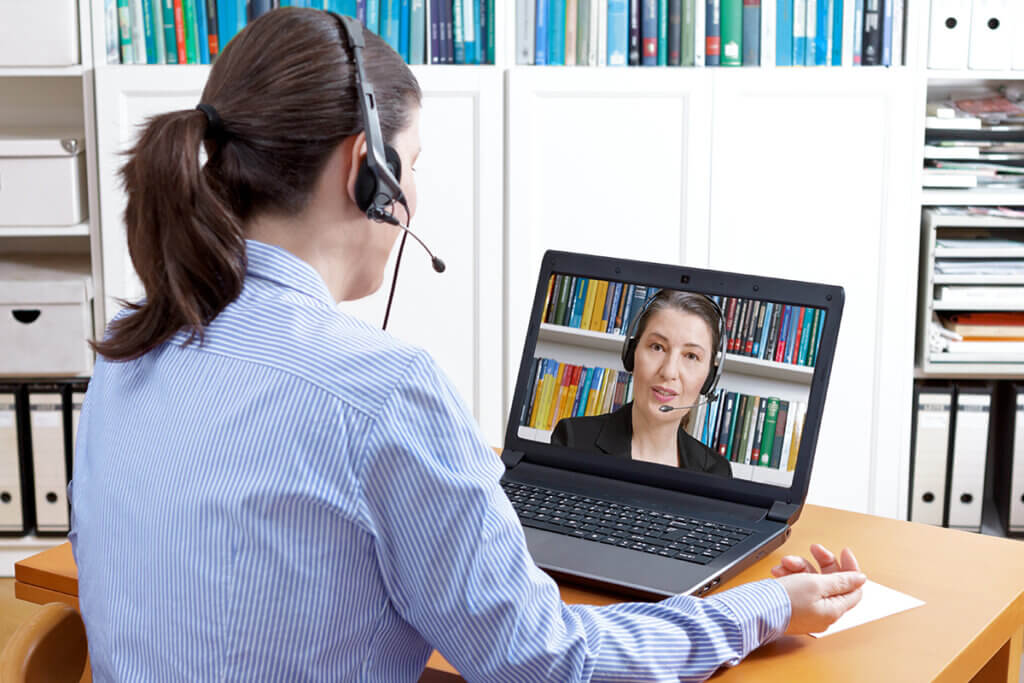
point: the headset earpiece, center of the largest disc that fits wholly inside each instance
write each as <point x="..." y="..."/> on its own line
<point x="369" y="188"/>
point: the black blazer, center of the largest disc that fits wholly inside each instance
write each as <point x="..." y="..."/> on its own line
<point x="612" y="434"/>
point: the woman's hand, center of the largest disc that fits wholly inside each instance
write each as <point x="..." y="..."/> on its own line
<point x="819" y="595"/>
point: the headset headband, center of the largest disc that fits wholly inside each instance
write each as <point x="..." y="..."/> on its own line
<point x="375" y="156"/>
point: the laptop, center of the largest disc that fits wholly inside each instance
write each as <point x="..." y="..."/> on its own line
<point x="596" y="507"/>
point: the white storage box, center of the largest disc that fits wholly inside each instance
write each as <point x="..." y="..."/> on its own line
<point x="42" y="181"/>
<point x="38" y="32"/>
<point x="45" y="316"/>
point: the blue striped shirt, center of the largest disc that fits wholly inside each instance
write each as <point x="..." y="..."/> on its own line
<point x="304" y="497"/>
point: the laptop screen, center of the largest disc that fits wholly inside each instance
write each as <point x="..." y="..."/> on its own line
<point x="714" y="381"/>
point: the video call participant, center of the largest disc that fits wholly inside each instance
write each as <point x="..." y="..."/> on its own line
<point x="269" y="489"/>
<point x="674" y="352"/>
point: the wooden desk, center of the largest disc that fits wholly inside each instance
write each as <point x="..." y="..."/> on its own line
<point x="970" y="627"/>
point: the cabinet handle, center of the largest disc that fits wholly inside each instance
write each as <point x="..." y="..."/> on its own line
<point x="26" y="315"/>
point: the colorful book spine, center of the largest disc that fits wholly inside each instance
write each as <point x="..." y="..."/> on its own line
<point x="837" y="32"/>
<point x="556" y="32"/>
<point x="543" y="13"/>
<point x="571" y="27"/>
<point x="191" y="32"/>
<point x="613" y="308"/>
<point x="675" y="32"/>
<point x="159" y="35"/>
<point x="490" y="30"/>
<point x="822" y="32"/>
<point x="212" y="29"/>
<point x="583" y="36"/>
<point x="404" y="27"/>
<point x="688" y="22"/>
<point x="148" y="31"/>
<point x="732" y="33"/>
<point x="226" y="22"/>
<point x="139" y="32"/>
<point x="662" y="58"/>
<point x="751" y="32"/>
<point x="784" y="48"/>
<point x="872" y="45"/>
<point x="578" y="293"/>
<point x="805" y="336"/>
<point x="111" y="32"/>
<point x="202" y="32"/>
<point x="179" y="31"/>
<point x="886" y="53"/>
<point x="771" y="415"/>
<point x="799" y="32"/>
<point x="635" y="20"/>
<point x="390" y="22"/>
<point x="780" y="435"/>
<point x="124" y="26"/>
<point x="713" y="33"/>
<point x="618" y="32"/>
<point x="373" y="18"/>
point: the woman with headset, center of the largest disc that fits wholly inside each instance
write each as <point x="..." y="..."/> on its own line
<point x="674" y="352"/>
<point x="268" y="489"/>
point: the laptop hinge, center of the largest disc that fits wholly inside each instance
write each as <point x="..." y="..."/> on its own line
<point x="782" y="512"/>
<point x="511" y="458"/>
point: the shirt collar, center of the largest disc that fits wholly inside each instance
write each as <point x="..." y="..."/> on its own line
<point x="279" y="265"/>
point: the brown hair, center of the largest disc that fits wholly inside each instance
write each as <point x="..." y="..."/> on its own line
<point x="285" y="91"/>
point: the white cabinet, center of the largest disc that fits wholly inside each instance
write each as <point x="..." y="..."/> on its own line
<point x="603" y="161"/>
<point x="456" y="316"/>
<point x="809" y="181"/>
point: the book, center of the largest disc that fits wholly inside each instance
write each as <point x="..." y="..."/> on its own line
<point x="872" y="38"/>
<point x="540" y="42"/>
<point x="734" y="418"/>
<point x="755" y="449"/>
<point x="662" y="58"/>
<point x="191" y="31"/>
<point x="547" y="299"/>
<point x="822" y="31"/>
<point x="614" y="309"/>
<point x="799" y="32"/>
<point x="404" y="29"/>
<point x="579" y="288"/>
<point x="688" y="41"/>
<point x="800" y="338"/>
<point x="986" y="326"/>
<point x="780" y="434"/>
<point x="811" y="29"/>
<point x="771" y="415"/>
<point x="753" y="407"/>
<point x="588" y="306"/>
<point x="124" y="31"/>
<point x="649" y="33"/>
<point x="731" y="33"/>
<point x="489" y="31"/>
<point x="858" y="32"/>
<point x="525" y="30"/>
<point x="742" y="427"/>
<point x="373" y="16"/>
<point x="784" y="33"/>
<point x="170" y="35"/>
<point x="712" y="33"/>
<point x="390" y="24"/>
<point x="471" y="31"/>
<point x="609" y="298"/>
<point x="726" y="423"/>
<point x="886" y="33"/>
<point x="179" y="31"/>
<point x="787" y="438"/>
<point x="635" y="17"/>
<point x="202" y="33"/>
<point x="761" y="329"/>
<point x="675" y="32"/>
<point x="751" y="32"/>
<point x="837" y="33"/>
<point x="583" y="37"/>
<point x="148" y="30"/>
<point x="139" y="32"/>
<point x="618" y="32"/>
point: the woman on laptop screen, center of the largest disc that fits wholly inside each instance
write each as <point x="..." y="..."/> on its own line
<point x="674" y="353"/>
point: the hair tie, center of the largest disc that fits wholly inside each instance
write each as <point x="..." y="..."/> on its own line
<point x="214" y="124"/>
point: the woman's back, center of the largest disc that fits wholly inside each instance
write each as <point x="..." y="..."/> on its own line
<point x="220" y="524"/>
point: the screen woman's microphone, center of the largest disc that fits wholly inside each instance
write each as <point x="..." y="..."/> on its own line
<point x="385" y="217"/>
<point x="669" y="409"/>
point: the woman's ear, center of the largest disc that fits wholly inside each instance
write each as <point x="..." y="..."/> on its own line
<point x="356" y="158"/>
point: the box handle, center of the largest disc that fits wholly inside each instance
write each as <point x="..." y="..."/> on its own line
<point x="26" y="315"/>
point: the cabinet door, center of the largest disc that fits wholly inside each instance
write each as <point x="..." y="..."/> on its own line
<point x="601" y="161"/>
<point x="125" y="97"/>
<point x="456" y="315"/>
<point x="805" y="166"/>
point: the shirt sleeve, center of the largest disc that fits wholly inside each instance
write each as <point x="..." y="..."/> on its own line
<point x="452" y="554"/>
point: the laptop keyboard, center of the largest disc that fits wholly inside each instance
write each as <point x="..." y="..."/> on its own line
<point x="674" y="536"/>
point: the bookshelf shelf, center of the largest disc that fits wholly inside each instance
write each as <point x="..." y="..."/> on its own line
<point x="41" y="71"/>
<point x="15" y="549"/>
<point x="976" y="75"/>
<point x="1011" y="305"/>
<point x="744" y="365"/>
<point x="978" y="280"/>
<point x="972" y="197"/>
<point x="80" y="230"/>
<point x="943" y="252"/>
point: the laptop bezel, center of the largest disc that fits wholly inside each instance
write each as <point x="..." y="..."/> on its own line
<point x="827" y="297"/>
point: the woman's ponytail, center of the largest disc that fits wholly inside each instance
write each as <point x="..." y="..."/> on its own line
<point x="185" y="242"/>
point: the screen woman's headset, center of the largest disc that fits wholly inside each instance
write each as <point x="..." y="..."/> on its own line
<point x="377" y="188"/>
<point x="709" y="389"/>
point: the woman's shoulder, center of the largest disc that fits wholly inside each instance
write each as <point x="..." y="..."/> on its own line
<point x="704" y="457"/>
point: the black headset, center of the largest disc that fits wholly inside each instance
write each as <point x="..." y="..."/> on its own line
<point x="715" y="374"/>
<point x="377" y="182"/>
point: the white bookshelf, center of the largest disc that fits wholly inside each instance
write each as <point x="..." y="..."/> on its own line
<point x="42" y="100"/>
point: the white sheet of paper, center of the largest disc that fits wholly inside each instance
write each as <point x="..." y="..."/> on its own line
<point x="878" y="601"/>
